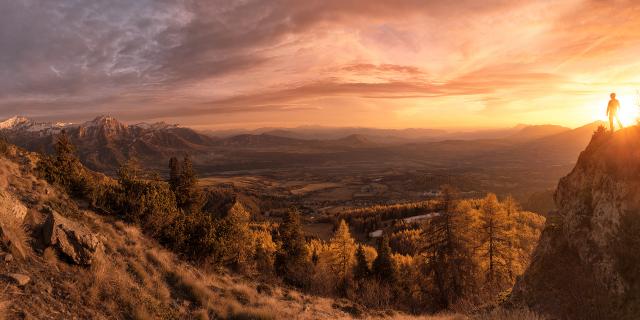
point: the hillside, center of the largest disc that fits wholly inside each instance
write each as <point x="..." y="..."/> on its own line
<point x="586" y="265"/>
<point x="537" y="132"/>
<point x="125" y="275"/>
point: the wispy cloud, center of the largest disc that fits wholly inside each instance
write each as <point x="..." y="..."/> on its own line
<point x="197" y="61"/>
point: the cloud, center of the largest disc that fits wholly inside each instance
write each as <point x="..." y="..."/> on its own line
<point x="178" y="58"/>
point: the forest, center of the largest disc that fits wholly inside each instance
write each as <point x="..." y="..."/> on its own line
<point x="466" y="257"/>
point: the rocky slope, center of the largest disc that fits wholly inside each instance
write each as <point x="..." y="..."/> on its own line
<point x="587" y="265"/>
<point x="59" y="260"/>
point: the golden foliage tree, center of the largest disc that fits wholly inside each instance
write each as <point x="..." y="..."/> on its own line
<point x="496" y="243"/>
<point x="343" y="247"/>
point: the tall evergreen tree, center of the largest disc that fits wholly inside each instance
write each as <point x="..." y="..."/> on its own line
<point x="174" y="173"/>
<point x="188" y="196"/>
<point x="361" y="269"/>
<point x="64" y="167"/>
<point x="448" y="250"/>
<point x="384" y="268"/>
<point x="65" y="151"/>
<point x="291" y="258"/>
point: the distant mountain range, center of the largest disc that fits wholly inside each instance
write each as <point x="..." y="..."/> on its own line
<point x="395" y="136"/>
<point x="104" y="142"/>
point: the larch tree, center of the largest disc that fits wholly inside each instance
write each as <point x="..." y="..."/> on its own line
<point x="342" y="249"/>
<point x="496" y="240"/>
<point x="512" y="210"/>
<point x="448" y="250"/>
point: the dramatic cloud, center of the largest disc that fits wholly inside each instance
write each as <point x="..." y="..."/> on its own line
<point x="333" y="62"/>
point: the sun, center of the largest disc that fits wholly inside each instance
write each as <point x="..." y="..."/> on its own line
<point x="629" y="111"/>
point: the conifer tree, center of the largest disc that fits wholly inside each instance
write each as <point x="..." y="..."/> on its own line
<point x="188" y="196"/>
<point x="315" y="257"/>
<point x="361" y="269"/>
<point x="291" y="257"/>
<point x="496" y="243"/>
<point x="448" y="250"/>
<point x="384" y="267"/>
<point x="65" y="151"/>
<point x="342" y="251"/>
<point x="174" y="173"/>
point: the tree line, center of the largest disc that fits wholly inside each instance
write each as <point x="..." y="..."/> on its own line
<point x="470" y="253"/>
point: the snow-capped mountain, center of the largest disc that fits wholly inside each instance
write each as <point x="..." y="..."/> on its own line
<point x="104" y="142"/>
<point x="19" y="123"/>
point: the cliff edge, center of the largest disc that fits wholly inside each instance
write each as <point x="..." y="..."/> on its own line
<point x="587" y="264"/>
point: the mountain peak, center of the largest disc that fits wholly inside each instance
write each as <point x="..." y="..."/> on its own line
<point x="102" y="120"/>
<point x="13" y="122"/>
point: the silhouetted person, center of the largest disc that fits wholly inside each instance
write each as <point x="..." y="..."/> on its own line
<point x="612" y="111"/>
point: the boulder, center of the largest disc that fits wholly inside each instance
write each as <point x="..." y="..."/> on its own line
<point x="70" y="238"/>
<point x="19" y="279"/>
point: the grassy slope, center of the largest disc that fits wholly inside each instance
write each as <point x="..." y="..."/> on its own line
<point x="134" y="278"/>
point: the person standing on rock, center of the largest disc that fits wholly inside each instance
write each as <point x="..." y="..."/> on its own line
<point x="612" y="111"/>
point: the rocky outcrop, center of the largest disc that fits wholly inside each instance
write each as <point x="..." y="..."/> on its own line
<point x="73" y="240"/>
<point x="587" y="264"/>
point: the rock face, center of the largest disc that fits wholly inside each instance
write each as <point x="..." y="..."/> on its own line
<point x="73" y="240"/>
<point x="587" y="264"/>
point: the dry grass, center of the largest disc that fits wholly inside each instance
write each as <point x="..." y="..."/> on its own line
<point x="505" y="314"/>
<point x="14" y="235"/>
<point x="4" y="305"/>
<point x="136" y="279"/>
<point x="188" y="287"/>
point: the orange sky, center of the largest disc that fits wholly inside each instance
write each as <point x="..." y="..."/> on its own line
<point x="393" y="64"/>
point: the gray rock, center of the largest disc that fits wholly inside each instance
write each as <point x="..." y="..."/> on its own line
<point x="71" y="239"/>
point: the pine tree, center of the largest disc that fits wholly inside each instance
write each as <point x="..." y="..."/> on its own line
<point x="448" y="250"/>
<point x="188" y="177"/>
<point x="174" y="173"/>
<point x="342" y="250"/>
<point x="291" y="257"/>
<point x="188" y="196"/>
<point x="65" y="151"/>
<point x="64" y="167"/>
<point x="384" y="267"/>
<point x="361" y="269"/>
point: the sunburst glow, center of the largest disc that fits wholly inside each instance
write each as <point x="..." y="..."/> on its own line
<point x="629" y="110"/>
